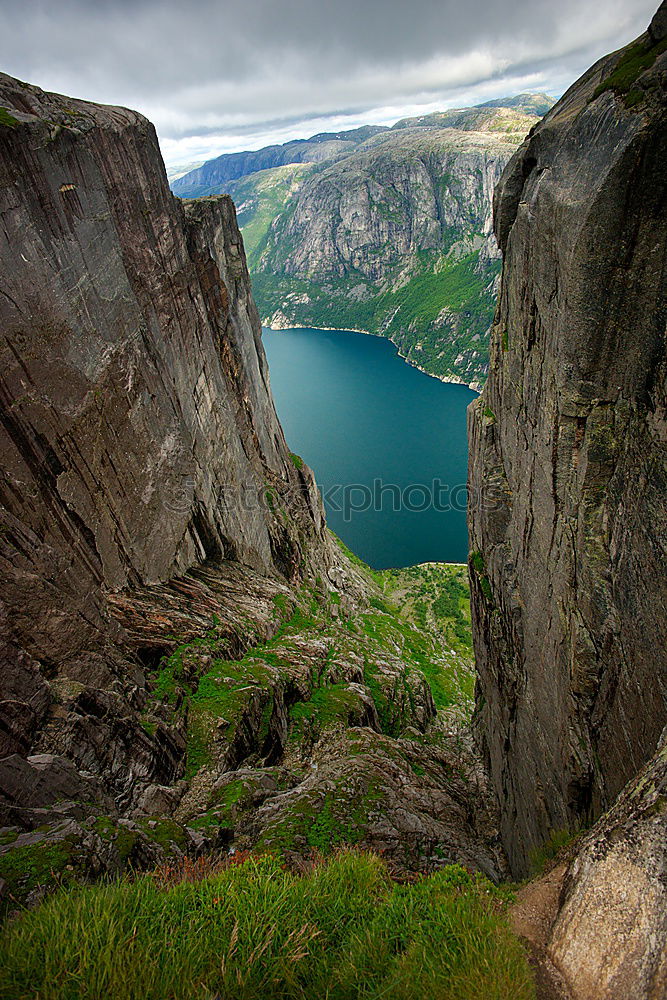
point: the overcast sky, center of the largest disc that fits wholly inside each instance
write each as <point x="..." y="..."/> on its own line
<point x="222" y="75"/>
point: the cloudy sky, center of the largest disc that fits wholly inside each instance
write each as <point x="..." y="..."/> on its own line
<point x="222" y="75"/>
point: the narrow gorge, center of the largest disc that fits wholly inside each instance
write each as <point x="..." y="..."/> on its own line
<point x="184" y="640"/>
<point x="195" y="671"/>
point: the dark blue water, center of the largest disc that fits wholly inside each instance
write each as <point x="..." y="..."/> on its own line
<point x="387" y="443"/>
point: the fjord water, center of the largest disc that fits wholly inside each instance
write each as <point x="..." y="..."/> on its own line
<point x="360" y="416"/>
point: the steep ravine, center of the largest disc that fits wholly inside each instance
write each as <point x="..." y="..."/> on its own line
<point x="190" y="662"/>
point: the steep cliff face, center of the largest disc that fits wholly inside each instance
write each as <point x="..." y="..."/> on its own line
<point x="188" y="660"/>
<point x="387" y="230"/>
<point x="409" y="192"/>
<point x="568" y="452"/>
<point x="138" y="431"/>
<point x="138" y="427"/>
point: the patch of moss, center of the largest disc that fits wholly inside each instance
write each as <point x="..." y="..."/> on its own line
<point x="7" y="120"/>
<point x="485" y="584"/>
<point x="340" y="818"/>
<point x="149" y="726"/>
<point x="634" y="61"/>
<point x="477" y="562"/>
<point x="26" y="867"/>
<point x="105" y="828"/>
<point x="281" y="605"/>
<point x="231" y="794"/>
<point x="478" y="565"/>
<point x="226" y="805"/>
<point x="327" y="706"/>
<point x="162" y="831"/>
<point x="297" y="461"/>
<point x="120" y="836"/>
<point x="223" y="695"/>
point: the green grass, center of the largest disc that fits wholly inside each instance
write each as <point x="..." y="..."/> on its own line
<point x="7" y="120"/>
<point x="327" y="706"/>
<point x="26" y="867"/>
<point x="552" y="846"/>
<point x="634" y="61"/>
<point x="478" y="565"/>
<point x="256" y="931"/>
<point x="477" y="562"/>
<point x="407" y="315"/>
<point x="330" y="829"/>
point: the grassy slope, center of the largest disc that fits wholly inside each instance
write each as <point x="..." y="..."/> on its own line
<point x="342" y="928"/>
<point x="255" y="931"/>
<point x="425" y="612"/>
<point x="408" y="315"/>
<point x="421" y="614"/>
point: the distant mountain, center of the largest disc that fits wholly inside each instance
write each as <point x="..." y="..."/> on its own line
<point x="532" y="104"/>
<point x="173" y="173"/>
<point x="210" y="177"/>
<point x="386" y="230"/>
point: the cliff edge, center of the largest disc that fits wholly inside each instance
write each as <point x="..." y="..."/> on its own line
<point x="138" y="435"/>
<point x="138" y="429"/>
<point x="568" y="457"/>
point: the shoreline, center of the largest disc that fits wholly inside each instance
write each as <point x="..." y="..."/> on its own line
<point x="448" y="379"/>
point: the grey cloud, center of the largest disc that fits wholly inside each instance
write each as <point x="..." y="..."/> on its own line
<point x="255" y="66"/>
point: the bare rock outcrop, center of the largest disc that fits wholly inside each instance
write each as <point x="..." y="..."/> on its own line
<point x="138" y="429"/>
<point x="138" y="435"/>
<point x="610" y="936"/>
<point x="568" y="452"/>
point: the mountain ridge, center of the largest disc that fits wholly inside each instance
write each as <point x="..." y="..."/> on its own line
<point x="203" y="178"/>
<point x="390" y="234"/>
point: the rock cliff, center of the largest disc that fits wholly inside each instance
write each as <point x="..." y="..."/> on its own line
<point x="189" y="660"/>
<point x="610" y="935"/>
<point x="568" y="457"/>
<point x="384" y="230"/>
<point x="138" y="433"/>
<point x="396" y="239"/>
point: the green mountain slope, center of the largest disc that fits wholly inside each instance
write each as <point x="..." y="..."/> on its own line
<point x="389" y="232"/>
